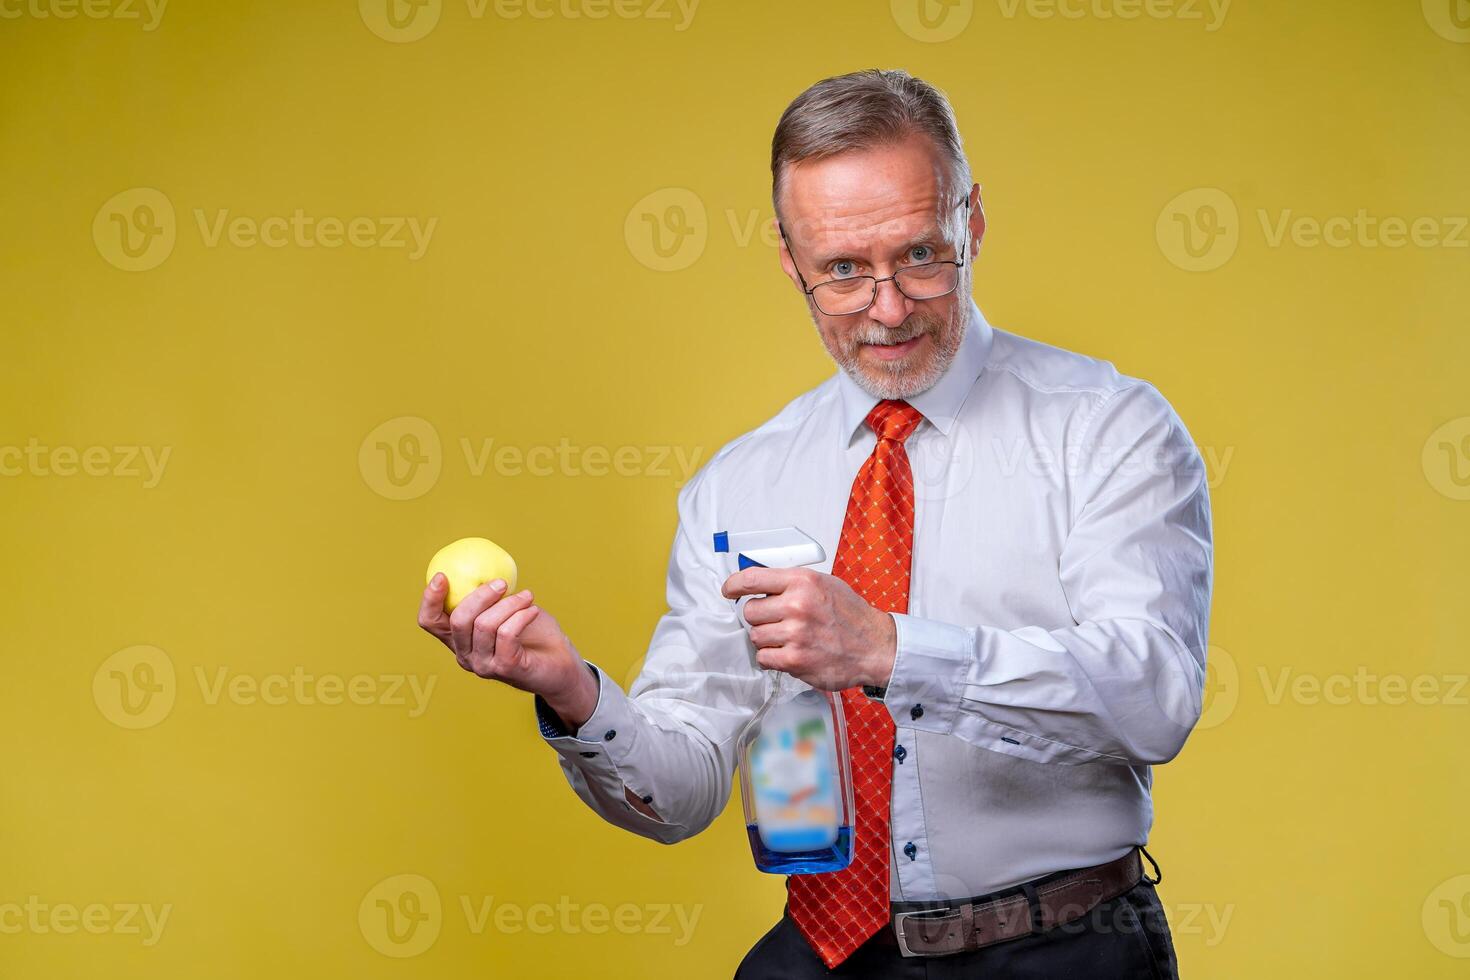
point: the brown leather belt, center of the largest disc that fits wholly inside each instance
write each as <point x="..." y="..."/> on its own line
<point x="958" y="928"/>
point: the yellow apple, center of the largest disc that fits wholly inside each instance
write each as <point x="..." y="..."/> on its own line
<point x="468" y="564"/>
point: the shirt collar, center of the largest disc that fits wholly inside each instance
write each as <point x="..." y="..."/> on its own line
<point x="941" y="403"/>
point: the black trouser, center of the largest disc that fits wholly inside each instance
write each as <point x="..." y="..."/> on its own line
<point x="1126" y="938"/>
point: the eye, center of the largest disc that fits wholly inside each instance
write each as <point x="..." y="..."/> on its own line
<point x="843" y="268"/>
<point x="921" y="253"/>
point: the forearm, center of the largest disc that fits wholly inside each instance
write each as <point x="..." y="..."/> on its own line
<point x="1123" y="691"/>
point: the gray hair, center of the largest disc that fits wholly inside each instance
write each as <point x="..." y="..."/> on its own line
<point x="864" y="109"/>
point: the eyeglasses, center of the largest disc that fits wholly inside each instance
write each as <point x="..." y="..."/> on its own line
<point x="853" y="294"/>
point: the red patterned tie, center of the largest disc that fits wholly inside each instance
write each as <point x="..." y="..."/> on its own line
<point x="837" y="911"/>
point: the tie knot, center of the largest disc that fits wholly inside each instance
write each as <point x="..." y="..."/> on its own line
<point x="894" y="419"/>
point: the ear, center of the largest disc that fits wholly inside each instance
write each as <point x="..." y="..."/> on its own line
<point x="977" y="219"/>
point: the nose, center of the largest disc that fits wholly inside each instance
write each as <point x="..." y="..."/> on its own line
<point x="890" y="307"/>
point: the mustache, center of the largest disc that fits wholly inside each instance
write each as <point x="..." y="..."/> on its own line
<point x="876" y="333"/>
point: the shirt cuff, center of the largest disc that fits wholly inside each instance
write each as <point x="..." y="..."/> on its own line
<point x="550" y="722"/>
<point x="604" y="742"/>
<point x="930" y="664"/>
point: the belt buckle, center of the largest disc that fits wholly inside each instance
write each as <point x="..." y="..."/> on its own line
<point x="898" y="921"/>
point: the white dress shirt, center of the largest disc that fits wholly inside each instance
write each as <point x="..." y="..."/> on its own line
<point x="1054" y="644"/>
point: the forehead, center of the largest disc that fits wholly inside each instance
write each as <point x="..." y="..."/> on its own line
<point x="863" y="199"/>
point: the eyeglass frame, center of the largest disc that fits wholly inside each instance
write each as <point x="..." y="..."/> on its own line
<point x="957" y="263"/>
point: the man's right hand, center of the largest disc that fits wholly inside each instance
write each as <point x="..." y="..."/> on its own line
<point x="508" y="639"/>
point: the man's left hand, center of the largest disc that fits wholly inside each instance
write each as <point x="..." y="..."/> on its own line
<point x="815" y="627"/>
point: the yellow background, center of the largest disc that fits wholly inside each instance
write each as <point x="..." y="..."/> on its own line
<point x="1330" y="838"/>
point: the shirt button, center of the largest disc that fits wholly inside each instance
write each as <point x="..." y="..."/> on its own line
<point x="647" y="799"/>
<point x="589" y="755"/>
<point x="910" y="850"/>
<point x="609" y="735"/>
<point x="900" y="753"/>
<point x="916" y="712"/>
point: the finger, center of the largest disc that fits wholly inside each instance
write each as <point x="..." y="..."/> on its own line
<point x="773" y="658"/>
<point x="759" y="581"/>
<point x="761" y="611"/>
<point x="462" y="620"/>
<point x="773" y="635"/>
<point x="482" y="641"/>
<point x="432" y="616"/>
<point x="503" y="658"/>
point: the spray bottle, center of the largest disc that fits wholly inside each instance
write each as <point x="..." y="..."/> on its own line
<point x="795" y="775"/>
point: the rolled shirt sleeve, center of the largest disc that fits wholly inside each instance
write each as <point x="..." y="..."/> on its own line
<point x="1124" y="683"/>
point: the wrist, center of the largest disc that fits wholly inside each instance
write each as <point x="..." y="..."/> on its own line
<point x="575" y="702"/>
<point x="885" y="652"/>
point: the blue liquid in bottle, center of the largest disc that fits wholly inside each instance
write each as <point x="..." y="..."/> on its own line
<point x="832" y="857"/>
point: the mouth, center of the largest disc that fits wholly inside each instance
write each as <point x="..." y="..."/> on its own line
<point x="891" y="352"/>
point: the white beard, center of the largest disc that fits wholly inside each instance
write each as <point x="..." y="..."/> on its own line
<point x="901" y="379"/>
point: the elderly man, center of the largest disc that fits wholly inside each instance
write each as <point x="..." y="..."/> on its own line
<point x="1016" y="612"/>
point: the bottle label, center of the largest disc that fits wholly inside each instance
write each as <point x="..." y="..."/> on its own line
<point x="794" y="780"/>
